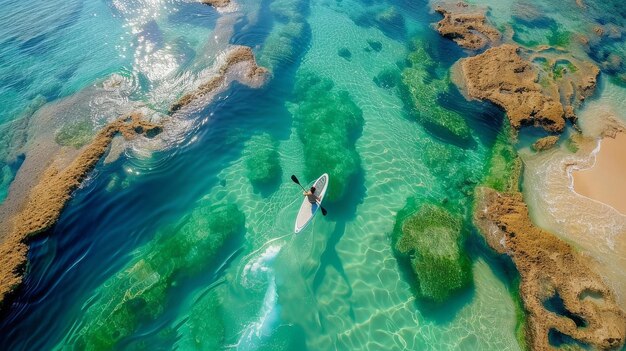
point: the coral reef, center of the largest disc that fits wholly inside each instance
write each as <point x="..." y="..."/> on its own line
<point x="469" y="30"/>
<point x="424" y="90"/>
<point x="49" y="196"/>
<point x="328" y="123"/>
<point x="263" y="160"/>
<point x="135" y="296"/>
<point x="550" y="270"/>
<point x="431" y="238"/>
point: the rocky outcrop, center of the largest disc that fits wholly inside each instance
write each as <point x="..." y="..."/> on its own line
<point x="469" y="30"/>
<point x="545" y="143"/>
<point x="216" y="3"/>
<point x="239" y="54"/>
<point x="561" y="294"/>
<point x="501" y="76"/>
<point x="48" y="198"/>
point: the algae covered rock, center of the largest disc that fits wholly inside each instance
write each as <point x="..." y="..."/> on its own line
<point x="388" y="78"/>
<point x="205" y="322"/>
<point x="288" y="38"/>
<point x="75" y="134"/>
<point x="345" y="53"/>
<point x="423" y="88"/>
<point x="284" y="46"/>
<point x="263" y="160"/>
<point x="431" y="239"/>
<point x="135" y="296"/>
<point x="328" y="123"/>
<point x="503" y="166"/>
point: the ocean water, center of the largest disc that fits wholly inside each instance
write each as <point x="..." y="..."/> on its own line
<point x="178" y="248"/>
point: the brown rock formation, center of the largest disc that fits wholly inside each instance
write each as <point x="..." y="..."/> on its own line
<point x="550" y="270"/>
<point x="469" y="30"/>
<point x="49" y="196"/>
<point x="545" y="143"/>
<point x="237" y="55"/>
<point x="501" y="76"/>
<point x="216" y="3"/>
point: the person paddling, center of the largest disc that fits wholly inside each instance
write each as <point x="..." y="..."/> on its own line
<point x="310" y="195"/>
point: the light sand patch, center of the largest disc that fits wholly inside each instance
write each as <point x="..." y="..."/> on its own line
<point x="606" y="180"/>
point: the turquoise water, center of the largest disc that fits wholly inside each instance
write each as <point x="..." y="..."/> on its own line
<point x="184" y="247"/>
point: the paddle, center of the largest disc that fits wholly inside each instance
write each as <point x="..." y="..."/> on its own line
<point x="295" y="180"/>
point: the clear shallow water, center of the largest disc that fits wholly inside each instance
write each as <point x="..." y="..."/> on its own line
<point x="335" y="286"/>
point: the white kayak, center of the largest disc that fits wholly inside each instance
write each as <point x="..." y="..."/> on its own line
<point x="307" y="209"/>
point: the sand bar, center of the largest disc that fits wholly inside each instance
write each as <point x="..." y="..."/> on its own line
<point x="606" y="180"/>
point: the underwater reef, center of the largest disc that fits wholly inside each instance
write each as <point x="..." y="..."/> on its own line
<point x="424" y="89"/>
<point x="263" y="161"/>
<point x="284" y="45"/>
<point x="328" y="123"/>
<point x="135" y="296"/>
<point x="432" y="238"/>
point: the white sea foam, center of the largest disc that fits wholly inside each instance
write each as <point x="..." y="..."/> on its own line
<point x="259" y="272"/>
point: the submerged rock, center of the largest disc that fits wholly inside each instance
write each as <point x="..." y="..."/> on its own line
<point x="503" y="166"/>
<point x="424" y="89"/>
<point x="432" y="239"/>
<point x="286" y="42"/>
<point x="263" y="160"/>
<point x="375" y="45"/>
<point x="344" y="53"/>
<point x="388" y="78"/>
<point x="136" y="295"/>
<point x="205" y="322"/>
<point x="328" y="123"/>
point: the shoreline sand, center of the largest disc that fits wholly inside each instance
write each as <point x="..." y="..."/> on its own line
<point x="605" y="181"/>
